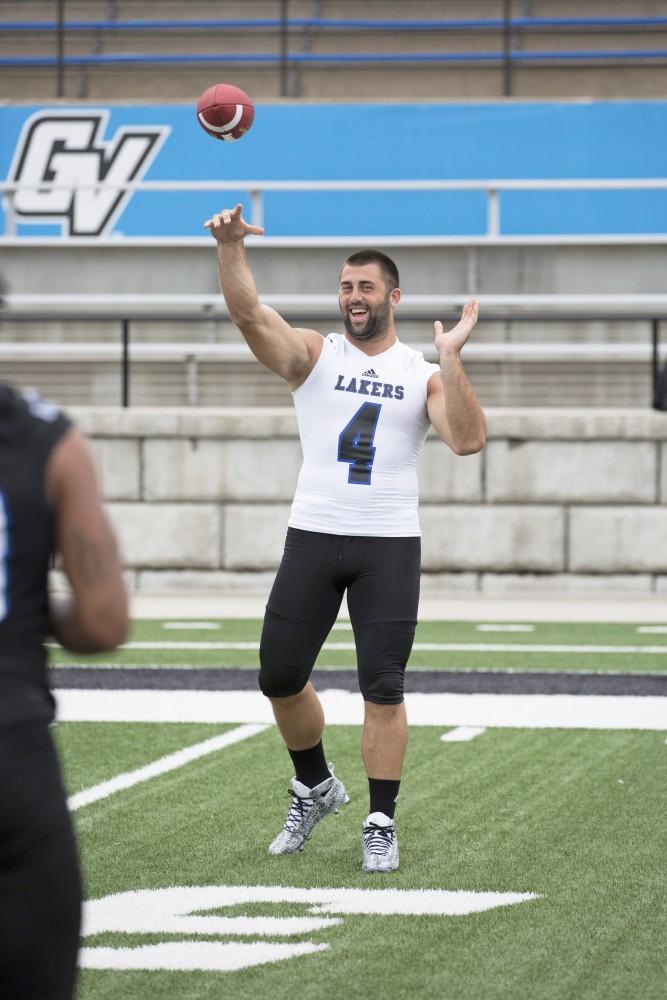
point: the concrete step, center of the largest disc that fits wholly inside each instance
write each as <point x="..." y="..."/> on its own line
<point x="552" y="266"/>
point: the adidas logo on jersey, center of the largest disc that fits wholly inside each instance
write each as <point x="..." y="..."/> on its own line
<point x="371" y="373"/>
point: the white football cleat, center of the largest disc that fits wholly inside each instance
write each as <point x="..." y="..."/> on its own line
<point x="380" y="844"/>
<point x="309" y="806"/>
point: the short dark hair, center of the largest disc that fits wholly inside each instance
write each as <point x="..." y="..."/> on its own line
<point x="385" y="263"/>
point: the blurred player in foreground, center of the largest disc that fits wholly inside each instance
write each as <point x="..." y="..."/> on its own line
<point x="48" y="503"/>
<point x="364" y="402"/>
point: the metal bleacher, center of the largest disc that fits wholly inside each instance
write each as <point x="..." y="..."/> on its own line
<point x="104" y="49"/>
<point x="213" y="367"/>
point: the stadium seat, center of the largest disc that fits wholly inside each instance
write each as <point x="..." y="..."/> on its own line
<point x="340" y="55"/>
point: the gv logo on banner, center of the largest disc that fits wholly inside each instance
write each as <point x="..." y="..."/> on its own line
<point x="66" y="149"/>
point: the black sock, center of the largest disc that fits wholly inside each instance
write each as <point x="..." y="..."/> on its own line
<point x="383" y="796"/>
<point x="310" y="766"/>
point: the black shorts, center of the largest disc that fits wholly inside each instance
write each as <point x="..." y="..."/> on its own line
<point x="381" y="576"/>
<point x="40" y="889"/>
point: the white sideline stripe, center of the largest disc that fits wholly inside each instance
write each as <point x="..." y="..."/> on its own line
<point x="160" y="766"/>
<point x="345" y="708"/>
<point x="501" y="671"/>
<point x="462" y="734"/>
<point x="123" y="665"/>
<point x="652" y="629"/>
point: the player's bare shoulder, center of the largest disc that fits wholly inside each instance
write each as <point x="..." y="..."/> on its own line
<point x="314" y="342"/>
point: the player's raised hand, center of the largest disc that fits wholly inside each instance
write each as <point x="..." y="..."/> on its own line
<point x="451" y="341"/>
<point x="229" y="226"/>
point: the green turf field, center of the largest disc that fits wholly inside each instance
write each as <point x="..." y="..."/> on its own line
<point x="574" y="817"/>
<point x="559" y="646"/>
<point x="571" y="820"/>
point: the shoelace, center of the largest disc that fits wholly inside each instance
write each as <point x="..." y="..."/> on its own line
<point x="297" y="811"/>
<point x="378" y="839"/>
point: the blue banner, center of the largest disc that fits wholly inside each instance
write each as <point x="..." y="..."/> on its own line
<point x="79" y="146"/>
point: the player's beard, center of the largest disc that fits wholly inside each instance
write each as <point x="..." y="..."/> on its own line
<point x="376" y="324"/>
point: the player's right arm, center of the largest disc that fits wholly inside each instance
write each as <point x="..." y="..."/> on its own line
<point x="288" y="351"/>
<point x="95" y="618"/>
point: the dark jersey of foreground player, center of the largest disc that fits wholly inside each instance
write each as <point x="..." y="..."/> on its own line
<point x="29" y="430"/>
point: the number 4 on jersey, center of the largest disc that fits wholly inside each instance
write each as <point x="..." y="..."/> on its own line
<point x="355" y="443"/>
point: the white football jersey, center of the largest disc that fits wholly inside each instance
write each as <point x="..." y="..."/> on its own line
<point x="362" y="422"/>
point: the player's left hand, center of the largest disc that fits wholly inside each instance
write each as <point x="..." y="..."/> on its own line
<point x="451" y="341"/>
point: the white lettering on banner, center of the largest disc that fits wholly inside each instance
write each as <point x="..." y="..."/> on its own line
<point x="175" y="911"/>
<point x="67" y="149"/>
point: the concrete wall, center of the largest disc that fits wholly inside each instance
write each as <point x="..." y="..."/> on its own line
<point x="509" y="266"/>
<point x="559" y="499"/>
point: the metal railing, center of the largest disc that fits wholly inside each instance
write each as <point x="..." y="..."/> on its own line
<point x="257" y="189"/>
<point x="192" y="353"/>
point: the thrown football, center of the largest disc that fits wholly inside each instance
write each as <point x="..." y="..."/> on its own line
<point x="225" y="112"/>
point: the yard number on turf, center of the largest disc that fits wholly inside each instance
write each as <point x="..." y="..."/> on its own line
<point x="182" y="911"/>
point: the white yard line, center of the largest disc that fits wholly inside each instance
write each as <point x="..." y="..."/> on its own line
<point x="526" y="647"/>
<point x="193" y="626"/>
<point x="425" y="647"/>
<point x="462" y="734"/>
<point x="159" y="645"/>
<point x="345" y="708"/>
<point x="160" y="766"/>
<point x="504" y="628"/>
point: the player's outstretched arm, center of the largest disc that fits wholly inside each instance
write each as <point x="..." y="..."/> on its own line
<point x="95" y="618"/>
<point x="452" y="404"/>
<point x="288" y="351"/>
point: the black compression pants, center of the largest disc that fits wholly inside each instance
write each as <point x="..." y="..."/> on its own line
<point x="381" y="576"/>
<point x="40" y="889"/>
